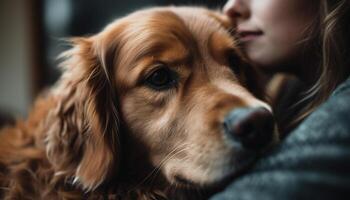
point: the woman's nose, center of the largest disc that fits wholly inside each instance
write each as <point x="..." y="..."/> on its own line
<point x="236" y="9"/>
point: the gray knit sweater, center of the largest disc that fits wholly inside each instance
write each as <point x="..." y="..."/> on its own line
<point x="313" y="162"/>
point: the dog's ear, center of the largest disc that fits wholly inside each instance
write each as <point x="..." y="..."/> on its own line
<point x="82" y="131"/>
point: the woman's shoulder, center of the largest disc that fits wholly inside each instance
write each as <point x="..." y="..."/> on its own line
<point x="342" y="89"/>
<point x="330" y="120"/>
<point x="313" y="161"/>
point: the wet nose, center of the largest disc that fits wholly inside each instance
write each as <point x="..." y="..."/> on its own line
<point x="252" y="127"/>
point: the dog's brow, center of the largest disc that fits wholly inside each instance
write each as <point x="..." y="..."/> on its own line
<point x="165" y="53"/>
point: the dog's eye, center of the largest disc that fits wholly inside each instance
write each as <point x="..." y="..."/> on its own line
<point x="161" y="79"/>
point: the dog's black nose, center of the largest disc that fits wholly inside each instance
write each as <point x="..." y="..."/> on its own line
<point x="252" y="127"/>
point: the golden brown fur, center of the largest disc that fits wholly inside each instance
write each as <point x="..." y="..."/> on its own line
<point x="101" y="132"/>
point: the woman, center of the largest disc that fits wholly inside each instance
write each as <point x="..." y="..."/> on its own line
<point x="309" y="39"/>
<point x="305" y="38"/>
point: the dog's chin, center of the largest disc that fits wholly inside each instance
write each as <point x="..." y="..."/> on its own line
<point x="219" y="183"/>
<point x="203" y="190"/>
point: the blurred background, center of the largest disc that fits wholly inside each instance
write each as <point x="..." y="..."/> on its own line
<point x="31" y="38"/>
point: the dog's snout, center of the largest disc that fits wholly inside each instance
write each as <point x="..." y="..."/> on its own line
<point x="252" y="127"/>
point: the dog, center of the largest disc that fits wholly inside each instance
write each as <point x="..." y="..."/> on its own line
<point x="160" y="102"/>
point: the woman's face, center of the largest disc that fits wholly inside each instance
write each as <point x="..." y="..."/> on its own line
<point x="271" y="31"/>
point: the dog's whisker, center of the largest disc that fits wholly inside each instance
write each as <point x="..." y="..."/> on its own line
<point x="156" y="170"/>
<point x="59" y="173"/>
<point x="4" y="188"/>
<point x="170" y="155"/>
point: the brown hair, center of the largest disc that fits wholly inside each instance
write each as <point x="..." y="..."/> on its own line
<point x="331" y="31"/>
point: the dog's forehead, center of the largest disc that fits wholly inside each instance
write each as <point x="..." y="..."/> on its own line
<point x="202" y="23"/>
<point x="178" y="33"/>
<point x="151" y="32"/>
<point x="210" y="31"/>
<point x="190" y="27"/>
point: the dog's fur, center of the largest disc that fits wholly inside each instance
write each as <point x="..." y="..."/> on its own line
<point x="103" y="132"/>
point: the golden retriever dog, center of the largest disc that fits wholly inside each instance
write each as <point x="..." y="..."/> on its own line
<point x="160" y="102"/>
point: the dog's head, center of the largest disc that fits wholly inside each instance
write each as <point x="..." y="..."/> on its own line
<point x="176" y="82"/>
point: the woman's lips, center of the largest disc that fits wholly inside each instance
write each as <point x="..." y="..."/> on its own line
<point x="246" y="36"/>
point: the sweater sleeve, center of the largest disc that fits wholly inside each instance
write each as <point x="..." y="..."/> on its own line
<point x="313" y="162"/>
